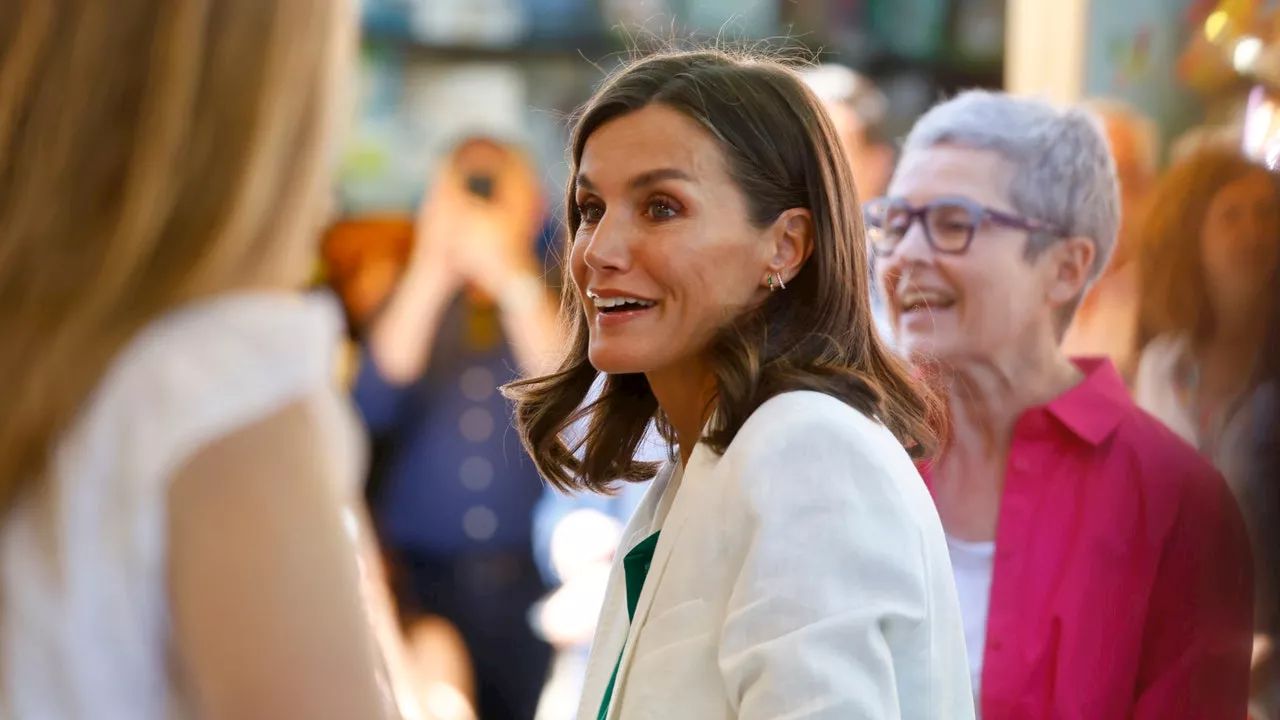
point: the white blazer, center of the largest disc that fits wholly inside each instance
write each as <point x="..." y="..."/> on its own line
<point x="803" y="574"/>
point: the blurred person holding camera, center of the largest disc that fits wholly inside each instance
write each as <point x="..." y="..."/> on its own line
<point x="1105" y="323"/>
<point x="175" y="459"/>
<point x="454" y="493"/>
<point x="1102" y="565"/>
<point x="1208" y="273"/>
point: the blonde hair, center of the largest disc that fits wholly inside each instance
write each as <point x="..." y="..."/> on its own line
<point x="151" y="152"/>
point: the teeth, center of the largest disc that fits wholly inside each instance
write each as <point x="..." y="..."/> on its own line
<point x="925" y="299"/>
<point x="619" y="301"/>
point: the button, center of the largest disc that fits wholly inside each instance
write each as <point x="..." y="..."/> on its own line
<point x="997" y="644"/>
<point x="476" y="474"/>
<point x="476" y="424"/>
<point x="480" y="523"/>
<point x="478" y="384"/>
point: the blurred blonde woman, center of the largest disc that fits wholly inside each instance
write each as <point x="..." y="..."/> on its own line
<point x="172" y="455"/>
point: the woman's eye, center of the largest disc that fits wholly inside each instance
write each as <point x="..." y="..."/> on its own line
<point x="590" y="213"/>
<point x="661" y="210"/>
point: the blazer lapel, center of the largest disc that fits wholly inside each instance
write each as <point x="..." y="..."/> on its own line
<point x="611" y="632"/>
<point x="682" y="506"/>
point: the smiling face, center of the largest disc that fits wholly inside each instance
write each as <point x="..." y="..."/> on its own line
<point x="987" y="301"/>
<point x="665" y="254"/>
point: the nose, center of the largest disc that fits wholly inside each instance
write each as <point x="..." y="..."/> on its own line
<point x="608" y="247"/>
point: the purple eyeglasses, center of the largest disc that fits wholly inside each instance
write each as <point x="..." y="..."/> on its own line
<point x="949" y="223"/>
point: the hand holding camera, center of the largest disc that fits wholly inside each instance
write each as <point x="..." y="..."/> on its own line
<point x="477" y="224"/>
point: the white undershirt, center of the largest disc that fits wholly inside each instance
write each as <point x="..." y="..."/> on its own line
<point x="971" y="563"/>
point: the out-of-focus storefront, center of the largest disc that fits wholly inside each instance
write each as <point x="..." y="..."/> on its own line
<point x="1207" y="66"/>
<point x="436" y="69"/>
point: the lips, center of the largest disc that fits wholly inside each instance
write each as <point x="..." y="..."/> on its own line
<point x="918" y="300"/>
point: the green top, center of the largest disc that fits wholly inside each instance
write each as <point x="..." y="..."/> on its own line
<point x="636" y="566"/>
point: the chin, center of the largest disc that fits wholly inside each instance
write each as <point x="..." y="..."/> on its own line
<point x="925" y="347"/>
<point x="618" y="360"/>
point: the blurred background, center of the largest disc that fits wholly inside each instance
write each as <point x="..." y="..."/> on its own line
<point x="1168" y="76"/>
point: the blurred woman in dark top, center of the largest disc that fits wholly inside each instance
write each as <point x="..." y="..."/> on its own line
<point x="1209" y="258"/>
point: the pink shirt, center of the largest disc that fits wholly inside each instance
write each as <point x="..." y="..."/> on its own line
<point x="1122" y="583"/>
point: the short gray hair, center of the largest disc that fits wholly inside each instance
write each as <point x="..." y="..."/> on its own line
<point x="1063" y="172"/>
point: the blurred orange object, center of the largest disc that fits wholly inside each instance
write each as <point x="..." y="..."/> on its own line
<point x="1225" y="39"/>
<point x="363" y="259"/>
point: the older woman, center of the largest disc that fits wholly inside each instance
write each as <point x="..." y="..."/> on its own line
<point x="1102" y="565"/>
<point x="787" y="560"/>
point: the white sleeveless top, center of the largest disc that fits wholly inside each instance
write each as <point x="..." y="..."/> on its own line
<point x="84" y="625"/>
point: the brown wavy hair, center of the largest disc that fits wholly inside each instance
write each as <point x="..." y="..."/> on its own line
<point x="151" y="153"/>
<point x="782" y="153"/>
<point x="1173" y="297"/>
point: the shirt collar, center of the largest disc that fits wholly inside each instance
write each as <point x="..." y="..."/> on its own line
<point x="1094" y="407"/>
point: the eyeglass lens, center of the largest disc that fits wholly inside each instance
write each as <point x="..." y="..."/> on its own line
<point x="948" y="225"/>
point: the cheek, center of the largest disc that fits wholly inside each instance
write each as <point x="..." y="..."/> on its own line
<point x="994" y="290"/>
<point x="701" y="269"/>
<point x="1221" y="257"/>
<point x="727" y="280"/>
<point x="885" y="274"/>
<point x="578" y="264"/>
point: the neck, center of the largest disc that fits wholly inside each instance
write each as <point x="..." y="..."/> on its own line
<point x="1227" y="359"/>
<point x="686" y="393"/>
<point x="1105" y="293"/>
<point x="986" y="396"/>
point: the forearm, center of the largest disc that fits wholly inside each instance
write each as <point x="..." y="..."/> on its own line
<point x="405" y="332"/>
<point x="531" y="324"/>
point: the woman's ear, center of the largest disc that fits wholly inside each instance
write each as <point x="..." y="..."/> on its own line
<point x="792" y="243"/>
<point x="1072" y="263"/>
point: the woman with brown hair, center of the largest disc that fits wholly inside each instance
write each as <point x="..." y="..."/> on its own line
<point x="786" y="561"/>
<point x="1209" y="256"/>
<point x="174" y="457"/>
<point x="1207" y="269"/>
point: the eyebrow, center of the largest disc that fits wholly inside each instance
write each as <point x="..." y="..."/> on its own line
<point x="643" y="179"/>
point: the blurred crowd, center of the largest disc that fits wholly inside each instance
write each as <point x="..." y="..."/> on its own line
<point x="1183" y="307"/>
